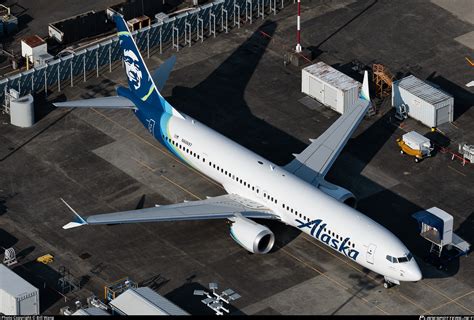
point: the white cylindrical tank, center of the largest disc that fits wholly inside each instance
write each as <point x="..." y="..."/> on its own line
<point x="22" y="112"/>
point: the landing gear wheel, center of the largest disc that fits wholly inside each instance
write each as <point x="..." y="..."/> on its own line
<point x="386" y="285"/>
<point x="401" y="152"/>
<point x="417" y="160"/>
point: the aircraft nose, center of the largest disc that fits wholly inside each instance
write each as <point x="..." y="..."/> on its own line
<point x="414" y="272"/>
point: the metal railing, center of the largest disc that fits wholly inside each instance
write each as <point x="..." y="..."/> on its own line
<point x="181" y="30"/>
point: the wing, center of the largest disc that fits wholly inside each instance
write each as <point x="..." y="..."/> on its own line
<point x="115" y="102"/>
<point x="316" y="160"/>
<point x="222" y="207"/>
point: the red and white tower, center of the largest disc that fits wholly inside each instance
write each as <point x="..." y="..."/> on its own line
<point x="298" y="28"/>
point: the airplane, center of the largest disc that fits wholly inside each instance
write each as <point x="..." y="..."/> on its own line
<point x="296" y="194"/>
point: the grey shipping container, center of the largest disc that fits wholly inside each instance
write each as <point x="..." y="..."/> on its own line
<point x="17" y="296"/>
<point x="426" y="103"/>
<point x="329" y="86"/>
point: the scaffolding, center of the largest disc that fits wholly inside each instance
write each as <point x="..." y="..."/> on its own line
<point x="383" y="80"/>
<point x="115" y="289"/>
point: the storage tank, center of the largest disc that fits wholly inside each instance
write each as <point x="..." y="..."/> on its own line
<point x="330" y="87"/>
<point x="22" y="112"/>
<point x="426" y="103"/>
<point x="17" y="296"/>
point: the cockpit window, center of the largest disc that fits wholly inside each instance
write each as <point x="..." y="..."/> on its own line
<point x="392" y="259"/>
<point x="408" y="257"/>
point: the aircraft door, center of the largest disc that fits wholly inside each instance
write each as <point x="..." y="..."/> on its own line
<point x="371" y="253"/>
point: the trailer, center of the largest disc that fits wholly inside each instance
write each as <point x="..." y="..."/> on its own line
<point x="423" y="101"/>
<point x="330" y="87"/>
<point x="17" y="296"/>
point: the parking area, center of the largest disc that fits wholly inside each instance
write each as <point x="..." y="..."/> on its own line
<point x="104" y="160"/>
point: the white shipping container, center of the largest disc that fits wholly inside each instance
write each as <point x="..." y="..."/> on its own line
<point x="17" y="296"/>
<point x="426" y="103"/>
<point x="330" y="87"/>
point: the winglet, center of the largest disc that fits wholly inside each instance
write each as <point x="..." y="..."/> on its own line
<point x="364" y="93"/>
<point x="78" y="220"/>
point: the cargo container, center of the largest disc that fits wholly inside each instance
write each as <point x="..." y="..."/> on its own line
<point x="330" y="87"/>
<point x="144" y="301"/>
<point x="424" y="102"/>
<point x="17" y="296"/>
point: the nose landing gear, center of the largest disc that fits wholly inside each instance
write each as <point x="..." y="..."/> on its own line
<point x="388" y="283"/>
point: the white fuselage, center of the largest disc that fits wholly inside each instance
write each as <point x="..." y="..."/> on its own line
<point x="296" y="202"/>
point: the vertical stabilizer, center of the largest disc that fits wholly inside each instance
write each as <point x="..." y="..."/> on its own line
<point x="140" y="82"/>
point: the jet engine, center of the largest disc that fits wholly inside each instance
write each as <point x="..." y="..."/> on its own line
<point x="338" y="193"/>
<point x="252" y="236"/>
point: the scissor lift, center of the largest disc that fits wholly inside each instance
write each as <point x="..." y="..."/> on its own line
<point x="436" y="226"/>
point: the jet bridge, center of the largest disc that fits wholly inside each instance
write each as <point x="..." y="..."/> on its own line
<point x="436" y="226"/>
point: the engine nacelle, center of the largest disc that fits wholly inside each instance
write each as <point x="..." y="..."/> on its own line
<point x="252" y="236"/>
<point x="338" y="193"/>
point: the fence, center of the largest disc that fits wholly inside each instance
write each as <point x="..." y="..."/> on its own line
<point x="180" y="30"/>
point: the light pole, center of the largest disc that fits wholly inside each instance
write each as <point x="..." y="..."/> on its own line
<point x="298" y="28"/>
<point x="215" y="300"/>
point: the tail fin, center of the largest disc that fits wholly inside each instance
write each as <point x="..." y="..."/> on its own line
<point x="364" y="92"/>
<point x="140" y="82"/>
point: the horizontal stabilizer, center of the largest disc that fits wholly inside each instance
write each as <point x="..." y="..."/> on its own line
<point x="115" y="102"/>
<point x="163" y="72"/>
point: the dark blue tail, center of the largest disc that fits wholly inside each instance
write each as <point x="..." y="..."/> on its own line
<point x="140" y="81"/>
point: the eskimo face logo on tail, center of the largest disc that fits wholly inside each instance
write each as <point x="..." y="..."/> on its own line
<point x="322" y="236"/>
<point x="132" y="68"/>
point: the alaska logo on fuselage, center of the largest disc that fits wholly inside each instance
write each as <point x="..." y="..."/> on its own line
<point x="326" y="238"/>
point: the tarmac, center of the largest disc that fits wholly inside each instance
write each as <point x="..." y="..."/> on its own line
<point x="104" y="160"/>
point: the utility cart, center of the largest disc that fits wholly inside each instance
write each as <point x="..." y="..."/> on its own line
<point x="415" y="145"/>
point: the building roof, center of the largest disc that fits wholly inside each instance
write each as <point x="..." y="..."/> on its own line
<point x="144" y="301"/>
<point x="93" y="311"/>
<point x="13" y="284"/>
<point x="422" y="90"/>
<point x="332" y="76"/>
<point x="33" y="41"/>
